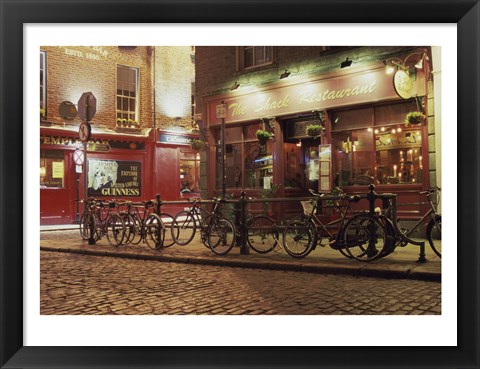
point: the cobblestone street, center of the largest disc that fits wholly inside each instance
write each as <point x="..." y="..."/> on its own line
<point x="83" y="284"/>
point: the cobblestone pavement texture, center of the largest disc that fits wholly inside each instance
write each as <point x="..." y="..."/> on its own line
<point x="77" y="284"/>
<point x="402" y="263"/>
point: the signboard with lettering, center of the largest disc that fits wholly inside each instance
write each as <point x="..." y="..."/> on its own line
<point x="114" y="178"/>
<point x="93" y="145"/>
<point x="374" y="85"/>
<point x="403" y="84"/>
<point x="174" y="139"/>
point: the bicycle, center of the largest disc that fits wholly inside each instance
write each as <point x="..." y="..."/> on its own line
<point x="133" y="223"/>
<point x="148" y="226"/>
<point x="88" y="224"/>
<point x="361" y="237"/>
<point x="433" y="230"/>
<point x="217" y="232"/>
<point x="106" y="222"/>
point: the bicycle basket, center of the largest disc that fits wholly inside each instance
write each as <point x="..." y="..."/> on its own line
<point x="307" y="206"/>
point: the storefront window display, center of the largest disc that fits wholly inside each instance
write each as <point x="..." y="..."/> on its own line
<point x="52" y="169"/>
<point x="382" y="153"/>
<point x="189" y="171"/>
<point x="248" y="163"/>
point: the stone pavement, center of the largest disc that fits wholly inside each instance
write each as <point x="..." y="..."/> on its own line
<point x="402" y="263"/>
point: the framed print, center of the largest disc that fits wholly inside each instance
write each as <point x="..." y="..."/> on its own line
<point x="97" y="342"/>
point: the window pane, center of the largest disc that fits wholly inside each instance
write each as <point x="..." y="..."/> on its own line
<point x="233" y="166"/>
<point x="188" y="176"/>
<point x="399" y="157"/>
<point x="248" y="56"/>
<point x="353" y="157"/>
<point x="258" y="165"/>
<point x="51" y="169"/>
<point x="259" y="55"/>
<point x="294" y="175"/>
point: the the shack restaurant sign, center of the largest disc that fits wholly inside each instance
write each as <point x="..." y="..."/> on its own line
<point x="372" y="86"/>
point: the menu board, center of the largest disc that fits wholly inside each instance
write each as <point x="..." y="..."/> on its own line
<point x="325" y="176"/>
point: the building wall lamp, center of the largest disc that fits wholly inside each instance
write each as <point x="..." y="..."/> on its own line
<point x="393" y="64"/>
<point x="346" y="63"/>
<point x="285" y="74"/>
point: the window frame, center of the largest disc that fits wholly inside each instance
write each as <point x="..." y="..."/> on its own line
<point x="43" y="81"/>
<point x="120" y="113"/>
<point x="241" y="58"/>
<point x="375" y="124"/>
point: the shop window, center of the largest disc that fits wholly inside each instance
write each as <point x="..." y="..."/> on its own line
<point x="189" y="171"/>
<point x="354" y="157"/>
<point x="43" y="82"/>
<point x="51" y="169"/>
<point x="247" y="163"/>
<point x="382" y="153"/>
<point x="399" y="157"/>
<point x="127" y="87"/>
<point x="254" y="56"/>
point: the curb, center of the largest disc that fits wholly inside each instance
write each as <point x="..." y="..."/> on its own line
<point x="363" y="270"/>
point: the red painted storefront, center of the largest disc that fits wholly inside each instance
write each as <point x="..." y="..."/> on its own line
<point x="126" y="166"/>
<point x="361" y="100"/>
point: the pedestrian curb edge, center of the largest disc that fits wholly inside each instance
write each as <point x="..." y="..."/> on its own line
<point x="359" y="270"/>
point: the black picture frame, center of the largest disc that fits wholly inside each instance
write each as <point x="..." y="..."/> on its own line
<point x="14" y="14"/>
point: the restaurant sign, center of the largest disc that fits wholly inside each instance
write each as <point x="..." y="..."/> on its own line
<point x="174" y="139"/>
<point x="375" y="85"/>
<point x="114" y="178"/>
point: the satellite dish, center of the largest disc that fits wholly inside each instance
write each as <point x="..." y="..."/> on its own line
<point x="67" y="110"/>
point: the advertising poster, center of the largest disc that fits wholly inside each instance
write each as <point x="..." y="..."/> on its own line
<point x="114" y="178"/>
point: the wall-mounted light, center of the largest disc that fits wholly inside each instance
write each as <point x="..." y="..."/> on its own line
<point x="348" y="62"/>
<point x="285" y="74"/>
<point x="235" y="86"/>
<point x="299" y="143"/>
<point x="393" y="64"/>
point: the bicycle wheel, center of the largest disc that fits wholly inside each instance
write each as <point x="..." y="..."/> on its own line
<point x="365" y="237"/>
<point x="167" y="220"/>
<point x="262" y="234"/>
<point x="434" y="234"/>
<point x="204" y="226"/>
<point x="221" y="235"/>
<point x="183" y="228"/>
<point x="138" y="236"/>
<point x="154" y="232"/>
<point x="115" y="230"/>
<point x="131" y="228"/>
<point x="299" y="237"/>
<point x="87" y="223"/>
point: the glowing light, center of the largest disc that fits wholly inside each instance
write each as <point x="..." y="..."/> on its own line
<point x="369" y="130"/>
<point x="389" y="69"/>
<point x="394" y="131"/>
<point x="382" y="129"/>
<point x="376" y="131"/>
<point x="399" y="129"/>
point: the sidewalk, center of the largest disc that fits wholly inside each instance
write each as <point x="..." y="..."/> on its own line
<point x="402" y="263"/>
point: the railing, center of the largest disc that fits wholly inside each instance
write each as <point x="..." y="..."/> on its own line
<point x="240" y="211"/>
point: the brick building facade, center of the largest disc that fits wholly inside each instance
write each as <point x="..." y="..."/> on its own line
<point x="284" y="106"/>
<point x="143" y="121"/>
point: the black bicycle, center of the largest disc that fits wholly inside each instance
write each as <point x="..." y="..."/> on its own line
<point x="362" y="237"/>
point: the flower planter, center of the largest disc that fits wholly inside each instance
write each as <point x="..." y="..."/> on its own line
<point x="414" y="117"/>
<point x="314" y="130"/>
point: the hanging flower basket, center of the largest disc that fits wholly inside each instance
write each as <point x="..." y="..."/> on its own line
<point x="263" y="136"/>
<point x="314" y="130"/>
<point x="414" y="117"/>
<point x="197" y="144"/>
